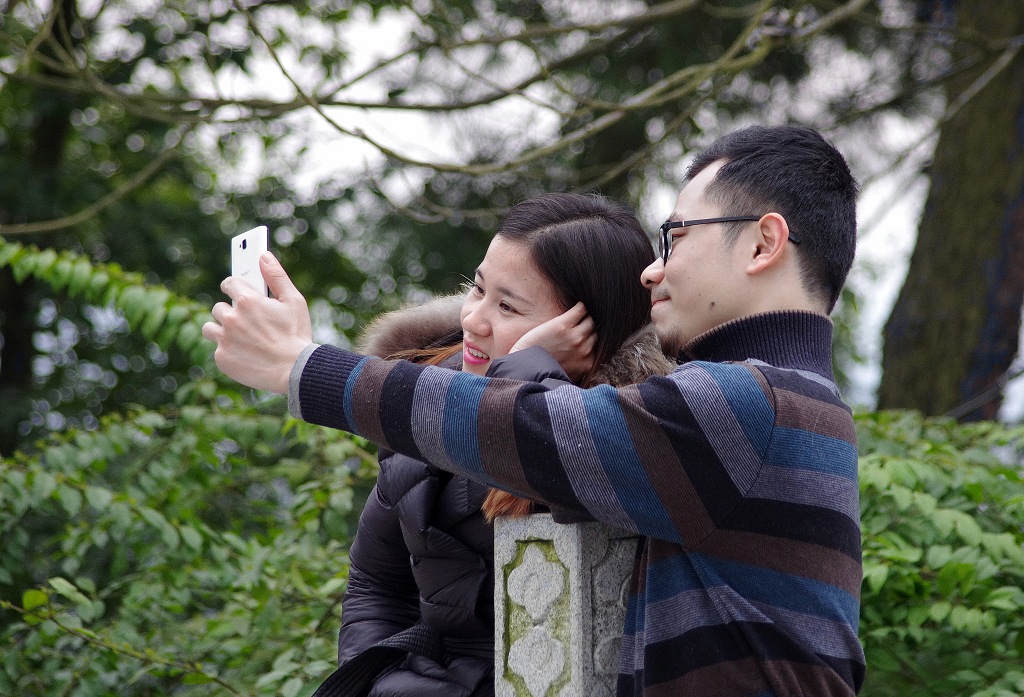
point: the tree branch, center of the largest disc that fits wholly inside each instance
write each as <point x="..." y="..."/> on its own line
<point x="149" y="657"/>
<point x="90" y="211"/>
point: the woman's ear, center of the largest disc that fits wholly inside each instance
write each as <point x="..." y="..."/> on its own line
<point x="770" y="243"/>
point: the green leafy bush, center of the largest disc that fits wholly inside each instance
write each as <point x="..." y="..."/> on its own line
<point x="202" y="544"/>
<point x="206" y="545"/>
<point x="942" y="507"/>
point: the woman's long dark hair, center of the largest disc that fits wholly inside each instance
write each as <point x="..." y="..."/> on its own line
<point x="592" y="250"/>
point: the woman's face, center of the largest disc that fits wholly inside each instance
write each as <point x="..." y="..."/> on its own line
<point x="509" y="297"/>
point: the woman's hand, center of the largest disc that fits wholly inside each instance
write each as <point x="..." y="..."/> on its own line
<point x="259" y="338"/>
<point x="569" y="338"/>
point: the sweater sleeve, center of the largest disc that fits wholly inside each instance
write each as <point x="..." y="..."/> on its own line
<point x="537" y="365"/>
<point x="381" y="599"/>
<point x="667" y="458"/>
<point x="533" y="364"/>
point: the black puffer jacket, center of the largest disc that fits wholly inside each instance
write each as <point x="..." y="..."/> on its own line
<point x="423" y="552"/>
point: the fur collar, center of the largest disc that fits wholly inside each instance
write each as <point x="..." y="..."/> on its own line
<point x="437" y="323"/>
<point x="413" y="327"/>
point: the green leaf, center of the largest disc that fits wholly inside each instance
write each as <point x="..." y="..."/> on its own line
<point x="967" y="676"/>
<point x="22" y="264"/>
<point x="938" y="556"/>
<point x="121" y="513"/>
<point x="332" y="585"/>
<point x="191" y="537"/>
<point x="33" y="598"/>
<point x="884" y="661"/>
<point x="98" y="498"/>
<point x="44" y="260"/>
<point x="112" y="295"/>
<point x="925" y="503"/>
<point x="70" y="498"/>
<point x="188" y="336"/>
<point x="154" y="320"/>
<point x="170" y="536"/>
<point x="78" y="281"/>
<point x="944" y="520"/>
<point x="43" y="484"/>
<point x="292" y="687"/>
<point x="959" y="617"/>
<point x="970" y="531"/>
<point x="271" y="677"/>
<point x="940" y="610"/>
<point x="178" y="314"/>
<point x="7" y="251"/>
<point x="902" y="496"/>
<point x="284" y="661"/>
<point x="1006" y="598"/>
<point x="98" y="283"/>
<point x="59" y="276"/>
<point x="150" y="420"/>
<point x="157" y="296"/>
<point x="875" y="576"/>
<point x="133" y="303"/>
<point x="153" y="517"/>
<point x="90" y="610"/>
<point x="917" y="615"/>
<point x="319" y="669"/>
<point x="66" y="589"/>
<point x="62" y="586"/>
<point x="201" y="352"/>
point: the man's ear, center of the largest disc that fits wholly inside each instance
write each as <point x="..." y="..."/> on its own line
<point x="770" y="243"/>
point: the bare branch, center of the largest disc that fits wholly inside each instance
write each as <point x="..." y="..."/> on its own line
<point x="48" y="613"/>
<point x="655" y="14"/>
<point x="298" y="88"/>
<point x="90" y="211"/>
<point x="684" y="89"/>
<point x="993" y="70"/>
<point x="44" y="31"/>
<point x="836" y="16"/>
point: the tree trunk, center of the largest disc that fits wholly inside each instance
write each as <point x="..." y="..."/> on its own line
<point x="18" y="304"/>
<point x="954" y="330"/>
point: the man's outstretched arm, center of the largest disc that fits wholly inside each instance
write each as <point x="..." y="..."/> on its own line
<point x="636" y="457"/>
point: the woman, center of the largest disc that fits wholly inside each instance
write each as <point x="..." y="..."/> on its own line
<point x="422" y="556"/>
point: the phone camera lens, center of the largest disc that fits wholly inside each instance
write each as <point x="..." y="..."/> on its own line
<point x="244" y="243"/>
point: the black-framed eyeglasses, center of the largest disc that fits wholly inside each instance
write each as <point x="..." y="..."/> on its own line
<point x="665" y="238"/>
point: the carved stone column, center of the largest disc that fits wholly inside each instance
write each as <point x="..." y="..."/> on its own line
<point x="559" y="605"/>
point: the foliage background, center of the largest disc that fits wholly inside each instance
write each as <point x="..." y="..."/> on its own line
<point x="167" y="533"/>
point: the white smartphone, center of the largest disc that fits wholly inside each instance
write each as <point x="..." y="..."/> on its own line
<point x="245" y="257"/>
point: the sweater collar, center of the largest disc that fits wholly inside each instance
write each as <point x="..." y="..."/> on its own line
<point x="794" y="339"/>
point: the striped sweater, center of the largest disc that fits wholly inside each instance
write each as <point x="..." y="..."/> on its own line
<point x="739" y="469"/>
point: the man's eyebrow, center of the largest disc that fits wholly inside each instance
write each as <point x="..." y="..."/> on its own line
<point x="506" y="291"/>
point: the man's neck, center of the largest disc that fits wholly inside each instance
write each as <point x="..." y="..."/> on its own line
<point x="784" y="338"/>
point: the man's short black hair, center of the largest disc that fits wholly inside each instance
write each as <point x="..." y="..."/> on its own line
<point x="797" y="173"/>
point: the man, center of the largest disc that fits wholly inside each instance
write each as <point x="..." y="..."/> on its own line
<point x="739" y="468"/>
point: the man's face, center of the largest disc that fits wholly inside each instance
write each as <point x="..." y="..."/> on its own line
<point x="701" y="285"/>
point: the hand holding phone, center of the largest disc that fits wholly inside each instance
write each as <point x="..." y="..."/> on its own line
<point x="245" y="257"/>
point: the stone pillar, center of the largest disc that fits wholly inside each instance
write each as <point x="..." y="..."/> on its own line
<point x="559" y="605"/>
